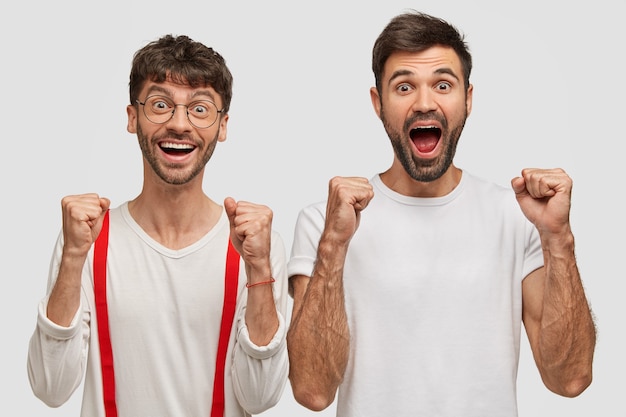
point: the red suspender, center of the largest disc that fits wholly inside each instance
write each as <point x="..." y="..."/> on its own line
<point x="106" y="353"/>
<point x="100" y="294"/>
<point x="228" y="313"/>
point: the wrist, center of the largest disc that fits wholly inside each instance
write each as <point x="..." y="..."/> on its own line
<point x="557" y="242"/>
<point x="270" y="280"/>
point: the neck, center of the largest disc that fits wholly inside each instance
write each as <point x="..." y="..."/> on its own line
<point x="399" y="181"/>
<point x="176" y="216"/>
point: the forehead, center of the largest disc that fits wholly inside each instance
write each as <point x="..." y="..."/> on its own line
<point x="426" y="62"/>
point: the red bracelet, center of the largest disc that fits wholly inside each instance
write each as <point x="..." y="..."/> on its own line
<point x="248" y="285"/>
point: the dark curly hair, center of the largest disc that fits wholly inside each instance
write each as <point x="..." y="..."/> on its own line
<point x="183" y="60"/>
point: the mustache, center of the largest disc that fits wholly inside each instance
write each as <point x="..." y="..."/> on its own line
<point x="425" y="117"/>
<point x="175" y="136"/>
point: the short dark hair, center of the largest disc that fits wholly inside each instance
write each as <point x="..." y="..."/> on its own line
<point x="414" y="31"/>
<point x="183" y="60"/>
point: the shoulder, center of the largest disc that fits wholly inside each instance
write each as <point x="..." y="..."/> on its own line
<point x="313" y="211"/>
<point x="487" y="188"/>
<point x="491" y="198"/>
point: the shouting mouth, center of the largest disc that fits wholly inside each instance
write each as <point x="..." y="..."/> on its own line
<point x="425" y="138"/>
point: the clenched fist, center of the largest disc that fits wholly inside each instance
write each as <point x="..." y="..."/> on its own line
<point x="82" y="221"/>
<point x="347" y="197"/>
<point x="544" y="196"/>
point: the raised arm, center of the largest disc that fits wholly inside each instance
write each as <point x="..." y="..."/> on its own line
<point x="318" y="339"/>
<point x="56" y="351"/>
<point x="556" y="315"/>
<point x="251" y="235"/>
<point x="82" y="220"/>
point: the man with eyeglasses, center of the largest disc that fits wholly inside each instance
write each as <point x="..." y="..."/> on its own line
<point x="170" y="304"/>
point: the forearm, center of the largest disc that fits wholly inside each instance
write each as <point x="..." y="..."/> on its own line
<point x="261" y="316"/>
<point x="319" y="339"/>
<point x="567" y="332"/>
<point x="64" y="298"/>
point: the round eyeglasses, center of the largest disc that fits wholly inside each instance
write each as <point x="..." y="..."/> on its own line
<point x="160" y="109"/>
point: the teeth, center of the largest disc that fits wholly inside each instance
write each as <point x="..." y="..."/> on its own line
<point x="176" y="145"/>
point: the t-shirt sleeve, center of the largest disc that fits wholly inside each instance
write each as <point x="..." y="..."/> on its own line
<point x="534" y="255"/>
<point x="308" y="230"/>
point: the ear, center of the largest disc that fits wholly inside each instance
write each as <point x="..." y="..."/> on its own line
<point x="131" y="111"/>
<point x="223" y="128"/>
<point x="468" y="99"/>
<point x="375" y="97"/>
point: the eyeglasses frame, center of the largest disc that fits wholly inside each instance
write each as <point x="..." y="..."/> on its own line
<point x="174" y="106"/>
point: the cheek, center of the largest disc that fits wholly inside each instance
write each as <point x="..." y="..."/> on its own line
<point x="455" y="112"/>
<point x="458" y="118"/>
<point x="396" y="111"/>
<point x="395" y="119"/>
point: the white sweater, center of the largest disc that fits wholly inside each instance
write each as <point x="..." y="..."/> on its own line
<point x="165" y="310"/>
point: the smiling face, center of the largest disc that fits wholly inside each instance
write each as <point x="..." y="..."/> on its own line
<point x="176" y="151"/>
<point x="423" y="106"/>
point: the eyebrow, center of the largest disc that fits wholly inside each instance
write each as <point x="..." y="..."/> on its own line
<point x="444" y="70"/>
<point x="160" y="89"/>
<point x="448" y="71"/>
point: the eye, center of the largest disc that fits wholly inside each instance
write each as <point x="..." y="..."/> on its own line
<point x="199" y="108"/>
<point x="202" y="109"/>
<point x="159" y="105"/>
<point x="404" y="88"/>
<point x="443" y="86"/>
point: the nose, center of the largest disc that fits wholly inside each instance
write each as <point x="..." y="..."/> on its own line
<point x="424" y="100"/>
<point x="180" y="118"/>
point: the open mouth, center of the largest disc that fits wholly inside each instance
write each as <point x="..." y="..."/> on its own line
<point x="172" y="148"/>
<point x="425" y="138"/>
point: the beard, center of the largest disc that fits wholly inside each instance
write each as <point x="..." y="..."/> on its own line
<point x="424" y="170"/>
<point x="170" y="172"/>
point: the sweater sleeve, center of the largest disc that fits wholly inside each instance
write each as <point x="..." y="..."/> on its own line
<point x="57" y="355"/>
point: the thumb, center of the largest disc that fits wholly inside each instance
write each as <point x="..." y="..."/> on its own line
<point x="105" y="203"/>
<point x="518" y="184"/>
<point x="230" y="205"/>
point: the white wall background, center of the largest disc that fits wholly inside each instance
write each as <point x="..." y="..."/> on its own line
<point x="549" y="91"/>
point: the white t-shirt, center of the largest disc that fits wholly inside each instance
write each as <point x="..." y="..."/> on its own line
<point x="165" y="310"/>
<point x="433" y="298"/>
